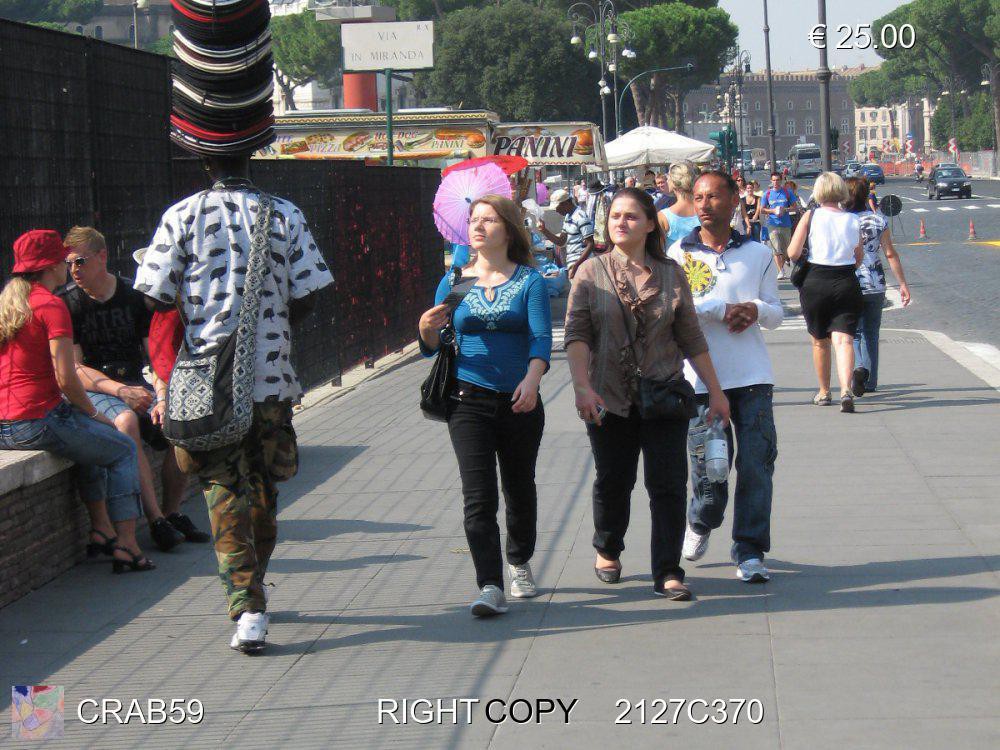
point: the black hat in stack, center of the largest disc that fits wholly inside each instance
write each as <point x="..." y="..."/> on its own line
<point x="223" y="77"/>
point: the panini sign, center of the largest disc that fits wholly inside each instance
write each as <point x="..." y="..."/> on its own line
<point x="403" y="45"/>
<point x="548" y="143"/>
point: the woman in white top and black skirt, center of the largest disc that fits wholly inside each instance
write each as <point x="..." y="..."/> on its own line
<point x="831" y="295"/>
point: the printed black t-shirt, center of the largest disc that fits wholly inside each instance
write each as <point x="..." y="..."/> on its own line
<point x="110" y="333"/>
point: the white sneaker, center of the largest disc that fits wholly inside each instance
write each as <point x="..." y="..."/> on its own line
<point x="491" y="601"/>
<point x="753" y="571"/>
<point x="522" y="583"/>
<point x="695" y="544"/>
<point x="250" y="631"/>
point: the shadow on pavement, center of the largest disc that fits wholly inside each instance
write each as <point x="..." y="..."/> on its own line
<point x="841" y="587"/>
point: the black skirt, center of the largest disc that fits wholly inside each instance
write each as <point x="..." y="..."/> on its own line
<point x="831" y="300"/>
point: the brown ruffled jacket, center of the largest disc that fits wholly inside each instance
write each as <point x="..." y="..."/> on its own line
<point x="664" y="324"/>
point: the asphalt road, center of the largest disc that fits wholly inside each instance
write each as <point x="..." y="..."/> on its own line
<point x="955" y="282"/>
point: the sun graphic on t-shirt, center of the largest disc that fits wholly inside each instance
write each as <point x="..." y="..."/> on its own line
<point x="699" y="275"/>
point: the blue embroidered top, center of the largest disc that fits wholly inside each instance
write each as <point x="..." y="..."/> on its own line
<point x="497" y="339"/>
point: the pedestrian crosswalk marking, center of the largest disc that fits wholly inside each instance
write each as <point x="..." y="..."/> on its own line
<point x="920" y="210"/>
<point x="972" y="208"/>
<point x="945" y="208"/>
<point x="993" y="205"/>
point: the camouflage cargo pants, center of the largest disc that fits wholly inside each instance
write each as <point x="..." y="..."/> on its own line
<point x="240" y="489"/>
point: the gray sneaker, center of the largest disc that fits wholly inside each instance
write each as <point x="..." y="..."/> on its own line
<point x="491" y="601"/>
<point x="695" y="544"/>
<point x="522" y="583"/>
<point x="753" y="571"/>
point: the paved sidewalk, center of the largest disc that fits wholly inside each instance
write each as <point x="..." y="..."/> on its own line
<point x="879" y="629"/>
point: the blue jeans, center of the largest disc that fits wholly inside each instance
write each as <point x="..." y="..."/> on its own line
<point x="866" y="338"/>
<point x="107" y="459"/>
<point x="752" y="414"/>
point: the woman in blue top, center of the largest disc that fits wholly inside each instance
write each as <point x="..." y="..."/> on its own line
<point x="678" y="221"/>
<point x="504" y="334"/>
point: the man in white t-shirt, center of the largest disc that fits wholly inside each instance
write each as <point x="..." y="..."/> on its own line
<point x="735" y="291"/>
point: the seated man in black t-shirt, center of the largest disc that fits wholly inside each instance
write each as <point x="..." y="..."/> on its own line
<point x="111" y="339"/>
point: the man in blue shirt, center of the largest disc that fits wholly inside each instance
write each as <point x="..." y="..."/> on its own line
<point x="775" y="204"/>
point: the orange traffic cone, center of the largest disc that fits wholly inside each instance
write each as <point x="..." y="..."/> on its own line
<point x="923" y="231"/>
<point x="972" y="230"/>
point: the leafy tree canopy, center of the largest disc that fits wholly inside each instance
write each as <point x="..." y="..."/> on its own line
<point x="514" y="59"/>
<point x="305" y="50"/>
<point x="63" y="11"/>
<point x="671" y="34"/>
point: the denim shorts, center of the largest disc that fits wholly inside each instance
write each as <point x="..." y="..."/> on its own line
<point x="111" y="406"/>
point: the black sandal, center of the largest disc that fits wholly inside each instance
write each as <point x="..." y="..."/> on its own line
<point x="609" y="575"/>
<point x="138" y="563"/>
<point x="107" y="547"/>
<point x="675" y="594"/>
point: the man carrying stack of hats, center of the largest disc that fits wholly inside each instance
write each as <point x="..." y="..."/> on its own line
<point x="205" y="259"/>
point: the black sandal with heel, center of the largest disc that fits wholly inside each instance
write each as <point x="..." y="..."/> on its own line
<point x="138" y="563"/>
<point x="107" y="547"/>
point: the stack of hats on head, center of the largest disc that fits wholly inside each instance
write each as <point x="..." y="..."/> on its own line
<point x="223" y="79"/>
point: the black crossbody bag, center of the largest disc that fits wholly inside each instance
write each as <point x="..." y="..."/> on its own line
<point x="436" y="390"/>
<point x="672" y="398"/>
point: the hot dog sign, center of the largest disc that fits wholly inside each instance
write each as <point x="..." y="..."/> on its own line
<point x="408" y="143"/>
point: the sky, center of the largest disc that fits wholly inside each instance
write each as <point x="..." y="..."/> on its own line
<point x="791" y="22"/>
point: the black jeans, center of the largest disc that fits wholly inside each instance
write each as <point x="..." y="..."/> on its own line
<point x="484" y="431"/>
<point x="616" y="445"/>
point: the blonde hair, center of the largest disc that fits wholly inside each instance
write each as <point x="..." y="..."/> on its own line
<point x="15" y="312"/>
<point x="830" y="188"/>
<point x="88" y="238"/>
<point x="682" y="176"/>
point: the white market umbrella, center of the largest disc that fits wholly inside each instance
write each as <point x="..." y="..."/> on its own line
<point x="646" y="146"/>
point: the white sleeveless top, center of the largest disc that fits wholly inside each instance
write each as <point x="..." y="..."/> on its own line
<point x="833" y="235"/>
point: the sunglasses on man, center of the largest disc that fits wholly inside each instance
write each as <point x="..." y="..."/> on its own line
<point x="78" y="262"/>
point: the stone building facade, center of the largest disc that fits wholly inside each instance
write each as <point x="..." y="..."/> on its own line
<point x="796" y="109"/>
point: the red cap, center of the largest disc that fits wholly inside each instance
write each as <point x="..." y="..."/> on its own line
<point x="38" y="249"/>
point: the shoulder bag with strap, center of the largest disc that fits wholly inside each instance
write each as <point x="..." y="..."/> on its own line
<point x="802" y="265"/>
<point x="210" y="395"/>
<point x="672" y="398"/>
<point x="436" y="390"/>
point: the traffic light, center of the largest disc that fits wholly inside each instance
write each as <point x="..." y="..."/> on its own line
<point x="719" y="136"/>
<point x="834" y="139"/>
<point x="731" y="145"/>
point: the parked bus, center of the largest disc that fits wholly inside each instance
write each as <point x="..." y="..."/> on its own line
<point x="805" y="159"/>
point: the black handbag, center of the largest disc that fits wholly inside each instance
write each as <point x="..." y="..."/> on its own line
<point x="802" y="266"/>
<point x="436" y="390"/>
<point x="672" y="398"/>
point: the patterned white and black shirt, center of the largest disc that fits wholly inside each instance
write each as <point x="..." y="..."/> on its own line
<point x="200" y="251"/>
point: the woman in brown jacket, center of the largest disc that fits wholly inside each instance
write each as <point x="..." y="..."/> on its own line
<point x="664" y="326"/>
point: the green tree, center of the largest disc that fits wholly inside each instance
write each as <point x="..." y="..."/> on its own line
<point x="305" y="50"/>
<point x="63" y="11"/>
<point x="514" y="59"/>
<point x="163" y="46"/>
<point x="974" y="131"/>
<point x="672" y="34"/>
<point x="953" y="40"/>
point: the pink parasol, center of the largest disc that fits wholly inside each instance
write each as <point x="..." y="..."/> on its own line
<point x="457" y="192"/>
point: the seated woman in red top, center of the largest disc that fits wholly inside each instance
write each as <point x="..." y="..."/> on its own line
<point x="43" y="405"/>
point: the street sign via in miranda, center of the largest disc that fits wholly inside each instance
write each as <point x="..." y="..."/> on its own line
<point x="402" y="45"/>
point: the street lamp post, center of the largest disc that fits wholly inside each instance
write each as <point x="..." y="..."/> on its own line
<point x="770" y="91"/>
<point x="137" y="5"/>
<point x="824" y="75"/>
<point x="988" y="71"/>
<point x="607" y="31"/>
